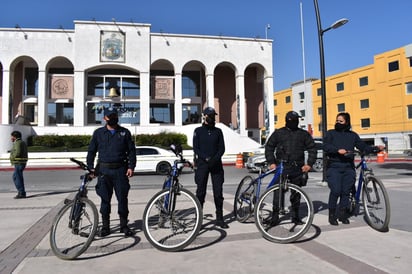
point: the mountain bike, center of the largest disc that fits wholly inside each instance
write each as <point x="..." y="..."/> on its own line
<point x="173" y="217"/>
<point x="277" y="215"/>
<point x="375" y="199"/>
<point x="75" y="225"/>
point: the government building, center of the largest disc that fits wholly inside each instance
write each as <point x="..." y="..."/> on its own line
<point x="58" y="81"/>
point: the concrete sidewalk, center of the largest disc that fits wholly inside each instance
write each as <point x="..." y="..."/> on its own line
<point x="354" y="248"/>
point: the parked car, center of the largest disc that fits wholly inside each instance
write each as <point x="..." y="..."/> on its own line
<point x="259" y="157"/>
<point x="154" y="159"/>
<point x="408" y="152"/>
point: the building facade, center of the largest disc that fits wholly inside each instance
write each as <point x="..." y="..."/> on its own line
<point x="378" y="97"/>
<point x="58" y="81"/>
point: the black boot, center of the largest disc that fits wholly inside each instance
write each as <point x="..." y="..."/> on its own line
<point x="343" y="217"/>
<point x="295" y="217"/>
<point x="332" y="216"/>
<point x="105" y="229"/>
<point x="274" y="220"/>
<point x="219" y="219"/>
<point x="124" y="228"/>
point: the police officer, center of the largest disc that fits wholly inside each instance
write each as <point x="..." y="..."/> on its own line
<point x="340" y="170"/>
<point x="209" y="147"/>
<point x="115" y="165"/>
<point x="290" y="143"/>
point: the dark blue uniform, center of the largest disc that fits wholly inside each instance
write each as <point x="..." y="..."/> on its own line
<point x="209" y="147"/>
<point x="117" y="153"/>
<point x="340" y="170"/>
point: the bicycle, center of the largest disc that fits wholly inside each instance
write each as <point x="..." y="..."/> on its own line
<point x="276" y="217"/>
<point x="372" y="192"/>
<point x="173" y="217"/>
<point x="75" y="225"/>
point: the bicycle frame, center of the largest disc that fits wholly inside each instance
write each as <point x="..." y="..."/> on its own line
<point x="363" y="171"/>
<point x="278" y="172"/>
<point x="172" y="182"/>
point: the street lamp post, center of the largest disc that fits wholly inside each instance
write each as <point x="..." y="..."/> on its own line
<point x="321" y="31"/>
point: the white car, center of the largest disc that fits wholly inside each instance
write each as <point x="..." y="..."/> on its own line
<point x="154" y="159"/>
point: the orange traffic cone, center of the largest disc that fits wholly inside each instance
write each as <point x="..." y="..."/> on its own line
<point x="239" y="161"/>
<point x="380" y="157"/>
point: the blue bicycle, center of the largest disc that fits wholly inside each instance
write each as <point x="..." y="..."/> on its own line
<point x="173" y="216"/>
<point x="372" y="192"/>
<point x="283" y="213"/>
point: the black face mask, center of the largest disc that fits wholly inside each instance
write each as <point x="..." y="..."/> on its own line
<point x="210" y="121"/>
<point x="292" y="124"/>
<point x="113" y="121"/>
<point x="341" y="127"/>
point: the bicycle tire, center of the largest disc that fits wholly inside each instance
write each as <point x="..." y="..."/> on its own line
<point x="283" y="229"/>
<point x="375" y="201"/>
<point x="244" y="199"/>
<point x="68" y="240"/>
<point x="172" y="232"/>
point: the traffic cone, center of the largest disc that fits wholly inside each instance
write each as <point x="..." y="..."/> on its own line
<point x="239" y="160"/>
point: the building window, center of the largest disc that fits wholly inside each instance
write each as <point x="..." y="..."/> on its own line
<point x="276" y="118"/>
<point x="162" y="113"/>
<point x="275" y="102"/>
<point x="410" y="62"/>
<point x="31" y="77"/>
<point x="365" y="123"/>
<point x="340" y="86"/>
<point x="363" y="81"/>
<point x="393" y="66"/>
<point x="364" y="103"/>
<point x="60" y="113"/>
<point x="191" y="84"/>
<point x="191" y="114"/>
<point x="409" y="88"/>
<point x="129" y="113"/>
<point x="409" y="111"/>
<point x="319" y="91"/>
<point x="287" y="99"/>
<point x="301" y="95"/>
<point x="341" y="107"/>
<point x="320" y="111"/>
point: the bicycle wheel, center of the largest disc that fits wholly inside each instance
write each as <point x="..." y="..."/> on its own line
<point x="244" y="198"/>
<point x="375" y="201"/>
<point x="278" y="219"/>
<point x="74" y="228"/>
<point x="175" y="229"/>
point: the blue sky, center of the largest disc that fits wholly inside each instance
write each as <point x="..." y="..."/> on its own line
<point x="375" y="26"/>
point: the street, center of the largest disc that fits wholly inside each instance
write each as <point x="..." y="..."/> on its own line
<point x="394" y="175"/>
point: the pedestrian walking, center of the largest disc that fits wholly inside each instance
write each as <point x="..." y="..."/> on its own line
<point x="18" y="158"/>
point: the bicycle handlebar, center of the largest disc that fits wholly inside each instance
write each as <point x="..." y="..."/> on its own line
<point x="81" y="165"/>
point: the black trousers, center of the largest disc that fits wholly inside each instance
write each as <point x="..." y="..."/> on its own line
<point x="295" y="176"/>
<point x="201" y="177"/>
<point x="113" y="179"/>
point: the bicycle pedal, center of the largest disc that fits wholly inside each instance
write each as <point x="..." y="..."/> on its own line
<point x="84" y="234"/>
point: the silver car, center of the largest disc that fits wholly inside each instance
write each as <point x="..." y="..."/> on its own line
<point x="260" y="158"/>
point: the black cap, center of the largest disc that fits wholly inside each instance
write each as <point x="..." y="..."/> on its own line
<point x="209" y="111"/>
<point x="109" y="111"/>
<point x="292" y="115"/>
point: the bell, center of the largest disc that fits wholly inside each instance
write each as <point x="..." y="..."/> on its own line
<point x="113" y="93"/>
